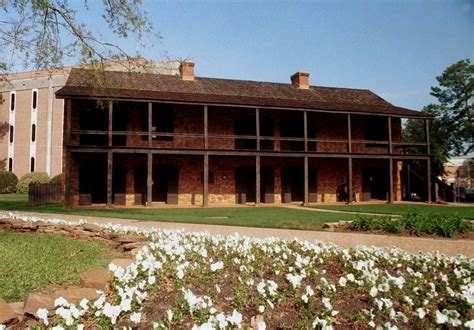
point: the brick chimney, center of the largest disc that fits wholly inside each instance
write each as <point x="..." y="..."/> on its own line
<point x="186" y="70"/>
<point x="300" y="80"/>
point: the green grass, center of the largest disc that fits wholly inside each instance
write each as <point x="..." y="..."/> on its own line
<point x="267" y="217"/>
<point x="466" y="212"/>
<point x="31" y="262"/>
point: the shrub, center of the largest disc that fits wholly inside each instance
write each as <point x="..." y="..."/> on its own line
<point x="56" y="179"/>
<point x="8" y="182"/>
<point x="36" y="177"/>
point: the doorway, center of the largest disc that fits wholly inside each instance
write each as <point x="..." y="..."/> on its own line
<point x="292" y="184"/>
<point x="165" y="184"/>
<point x="245" y="184"/>
<point x="374" y="183"/>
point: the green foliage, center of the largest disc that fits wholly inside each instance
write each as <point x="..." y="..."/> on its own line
<point x="35" y="177"/>
<point x="416" y="223"/>
<point x="56" y="179"/>
<point x="30" y="262"/>
<point x="8" y="182"/>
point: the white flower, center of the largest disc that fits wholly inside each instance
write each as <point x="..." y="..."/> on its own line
<point x="342" y="281"/>
<point x="61" y="302"/>
<point x="42" y="314"/>
<point x="441" y="318"/>
<point x="84" y="303"/>
<point x="421" y="312"/>
<point x="261" y="325"/>
<point x="217" y="266"/>
<point x="151" y="279"/>
<point x="169" y="315"/>
<point x="235" y="318"/>
<point x="57" y="327"/>
<point x="80" y="327"/>
<point x="373" y="291"/>
<point x="135" y="317"/>
<point x="261" y="309"/>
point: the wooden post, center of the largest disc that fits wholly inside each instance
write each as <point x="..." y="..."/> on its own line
<point x="150" y="119"/>
<point x="427" y="136"/>
<point x="350" y="189"/>
<point x="257" y="180"/>
<point x="257" y="127"/>
<point x="305" y="123"/>
<point x="68" y="120"/>
<point x="110" y="122"/>
<point x="205" y="197"/>
<point x="67" y="179"/>
<point x="206" y="132"/>
<point x="149" y="179"/>
<point x="390" y="180"/>
<point x="428" y="178"/>
<point x="110" y="161"/>
<point x="390" y="146"/>
<point x="349" y="134"/>
<point x="306" y="181"/>
<point x="408" y="182"/>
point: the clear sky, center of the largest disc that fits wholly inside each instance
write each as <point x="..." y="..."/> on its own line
<point x="394" y="48"/>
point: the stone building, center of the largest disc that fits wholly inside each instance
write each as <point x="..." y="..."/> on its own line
<point x="148" y="139"/>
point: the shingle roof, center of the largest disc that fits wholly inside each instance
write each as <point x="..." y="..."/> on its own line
<point x="147" y="86"/>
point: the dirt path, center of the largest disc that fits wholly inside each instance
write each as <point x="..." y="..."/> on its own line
<point x="289" y="206"/>
<point x="449" y="247"/>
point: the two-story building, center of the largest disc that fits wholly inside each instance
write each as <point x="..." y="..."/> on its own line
<point x="145" y="139"/>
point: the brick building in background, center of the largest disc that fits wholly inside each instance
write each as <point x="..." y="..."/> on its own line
<point x="31" y="117"/>
<point x="181" y="139"/>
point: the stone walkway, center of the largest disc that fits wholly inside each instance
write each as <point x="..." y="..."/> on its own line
<point x="412" y="244"/>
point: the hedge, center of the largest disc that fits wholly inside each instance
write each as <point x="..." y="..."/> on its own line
<point x="36" y="177"/>
<point x="8" y="182"/>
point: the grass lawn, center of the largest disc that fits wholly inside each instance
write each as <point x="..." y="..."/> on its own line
<point x="465" y="211"/>
<point x="267" y="217"/>
<point x="31" y="262"/>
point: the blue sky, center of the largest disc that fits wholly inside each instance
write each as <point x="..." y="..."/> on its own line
<point x="394" y="48"/>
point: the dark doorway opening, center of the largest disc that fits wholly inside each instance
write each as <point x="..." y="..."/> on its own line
<point x="245" y="184"/>
<point x="374" y="183"/>
<point x="118" y="183"/>
<point x="165" y="184"/>
<point x="267" y="184"/>
<point x="292" y="184"/>
<point x="139" y="182"/>
<point x="93" y="181"/>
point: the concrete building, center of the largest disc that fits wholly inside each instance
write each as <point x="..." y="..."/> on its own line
<point x="181" y="139"/>
<point x="31" y="117"/>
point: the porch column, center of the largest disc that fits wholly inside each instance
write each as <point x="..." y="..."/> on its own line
<point x="350" y="189"/>
<point x="427" y="136"/>
<point x="110" y="122"/>
<point x="390" y="147"/>
<point x="306" y="186"/>
<point x="390" y="180"/>
<point x="67" y="179"/>
<point x="408" y="191"/>
<point x="428" y="179"/>
<point x="349" y="133"/>
<point x="149" y="179"/>
<point x="150" y="119"/>
<point x="257" y="180"/>
<point x="305" y="130"/>
<point x="206" y="132"/>
<point x="205" y="197"/>
<point x="110" y="161"/>
<point x="257" y="127"/>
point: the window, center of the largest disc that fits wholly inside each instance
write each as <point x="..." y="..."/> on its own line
<point x="10" y="164"/>
<point x="11" y="133"/>
<point x="33" y="132"/>
<point x="32" y="164"/>
<point x="34" y="101"/>
<point x="375" y="128"/>
<point x="12" y="101"/>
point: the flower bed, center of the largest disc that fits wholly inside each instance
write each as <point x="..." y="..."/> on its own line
<point x="200" y="281"/>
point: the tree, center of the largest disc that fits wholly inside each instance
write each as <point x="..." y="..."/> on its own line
<point x="455" y="109"/>
<point x="43" y="33"/>
<point x="414" y="131"/>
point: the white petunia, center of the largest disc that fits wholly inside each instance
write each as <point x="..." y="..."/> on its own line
<point x="342" y="281"/>
<point x="42" y="314"/>
<point x="373" y="292"/>
<point x="169" y="315"/>
<point x="441" y="318"/>
<point x="261" y="325"/>
<point x="261" y="309"/>
<point x="135" y="317"/>
<point x="421" y="312"/>
<point x="217" y="266"/>
<point x="61" y="302"/>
